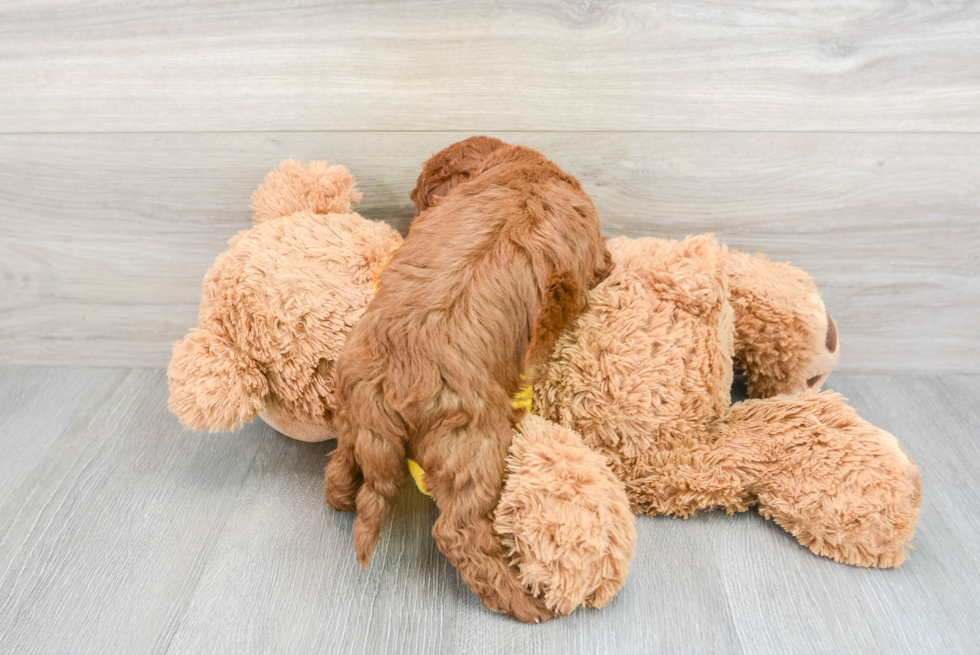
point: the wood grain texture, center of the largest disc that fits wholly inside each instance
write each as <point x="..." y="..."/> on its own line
<point x="123" y="533"/>
<point x="111" y="515"/>
<point x="933" y="417"/>
<point x="106" y="238"/>
<point x="864" y="65"/>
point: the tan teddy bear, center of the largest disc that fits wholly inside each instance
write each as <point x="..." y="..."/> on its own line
<point x="644" y="376"/>
<point x="637" y="398"/>
<point x="278" y="305"/>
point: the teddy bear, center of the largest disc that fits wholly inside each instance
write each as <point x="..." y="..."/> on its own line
<point x="644" y="376"/>
<point x="276" y="308"/>
<point x="634" y="414"/>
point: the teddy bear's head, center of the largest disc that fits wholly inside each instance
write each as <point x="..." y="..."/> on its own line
<point x="785" y="339"/>
<point x="277" y="307"/>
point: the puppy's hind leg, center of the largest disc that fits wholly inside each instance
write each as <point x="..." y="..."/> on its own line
<point x="342" y="477"/>
<point x="382" y="460"/>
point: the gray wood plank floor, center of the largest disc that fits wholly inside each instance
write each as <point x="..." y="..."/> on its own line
<point x="121" y="532"/>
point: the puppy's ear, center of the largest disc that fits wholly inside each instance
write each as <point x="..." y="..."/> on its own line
<point x="430" y="188"/>
<point x="561" y="301"/>
<point x="451" y="167"/>
<point x="605" y="267"/>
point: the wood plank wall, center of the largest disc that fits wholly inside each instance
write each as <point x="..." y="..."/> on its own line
<point x="843" y="137"/>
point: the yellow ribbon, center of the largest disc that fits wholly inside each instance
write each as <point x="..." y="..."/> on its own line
<point x="418" y="475"/>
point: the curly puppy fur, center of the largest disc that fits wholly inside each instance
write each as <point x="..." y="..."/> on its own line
<point x="450" y="167"/>
<point x="476" y="296"/>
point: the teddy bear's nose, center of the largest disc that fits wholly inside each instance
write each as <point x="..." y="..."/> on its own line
<point x="831" y="334"/>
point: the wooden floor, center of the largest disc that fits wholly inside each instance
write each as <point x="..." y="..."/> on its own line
<point x="122" y="533"/>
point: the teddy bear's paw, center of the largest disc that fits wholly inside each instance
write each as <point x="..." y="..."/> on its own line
<point x="295" y="187"/>
<point x="853" y="527"/>
<point x="844" y="488"/>
<point x="564" y="519"/>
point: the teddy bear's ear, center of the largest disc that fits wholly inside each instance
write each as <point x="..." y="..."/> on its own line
<point x="212" y="385"/>
<point x="295" y="187"/>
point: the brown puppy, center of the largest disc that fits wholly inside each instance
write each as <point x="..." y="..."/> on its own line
<point x="476" y="296"/>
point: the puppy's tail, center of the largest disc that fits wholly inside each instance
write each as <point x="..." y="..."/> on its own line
<point x="383" y="468"/>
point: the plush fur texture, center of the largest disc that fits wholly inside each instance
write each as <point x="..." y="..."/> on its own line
<point x="787" y="342"/>
<point x="474" y="298"/>
<point x="640" y="375"/>
<point x="644" y="374"/>
<point x="844" y="488"/>
<point x="563" y="518"/>
<point x="278" y="305"/>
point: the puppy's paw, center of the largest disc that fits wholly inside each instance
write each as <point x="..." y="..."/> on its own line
<point x="340" y="489"/>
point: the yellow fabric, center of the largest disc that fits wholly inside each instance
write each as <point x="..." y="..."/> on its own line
<point x="521" y="400"/>
<point x="418" y="475"/>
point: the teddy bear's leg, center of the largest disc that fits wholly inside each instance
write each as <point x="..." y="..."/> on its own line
<point x="785" y="340"/>
<point x="563" y="518"/>
<point x="696" y="472"/>
<point x="842" y="487"/>
<point x="213" y="384"/>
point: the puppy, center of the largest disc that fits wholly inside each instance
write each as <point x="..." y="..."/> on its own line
<point x="501" y="257"/>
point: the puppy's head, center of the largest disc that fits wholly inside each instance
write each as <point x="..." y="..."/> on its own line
<point x="450" y="167"/>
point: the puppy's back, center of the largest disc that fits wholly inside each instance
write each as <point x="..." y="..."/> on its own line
<point x="477" y="293"/>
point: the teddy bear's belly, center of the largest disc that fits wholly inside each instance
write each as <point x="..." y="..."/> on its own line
<point x="639" y="374"/>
